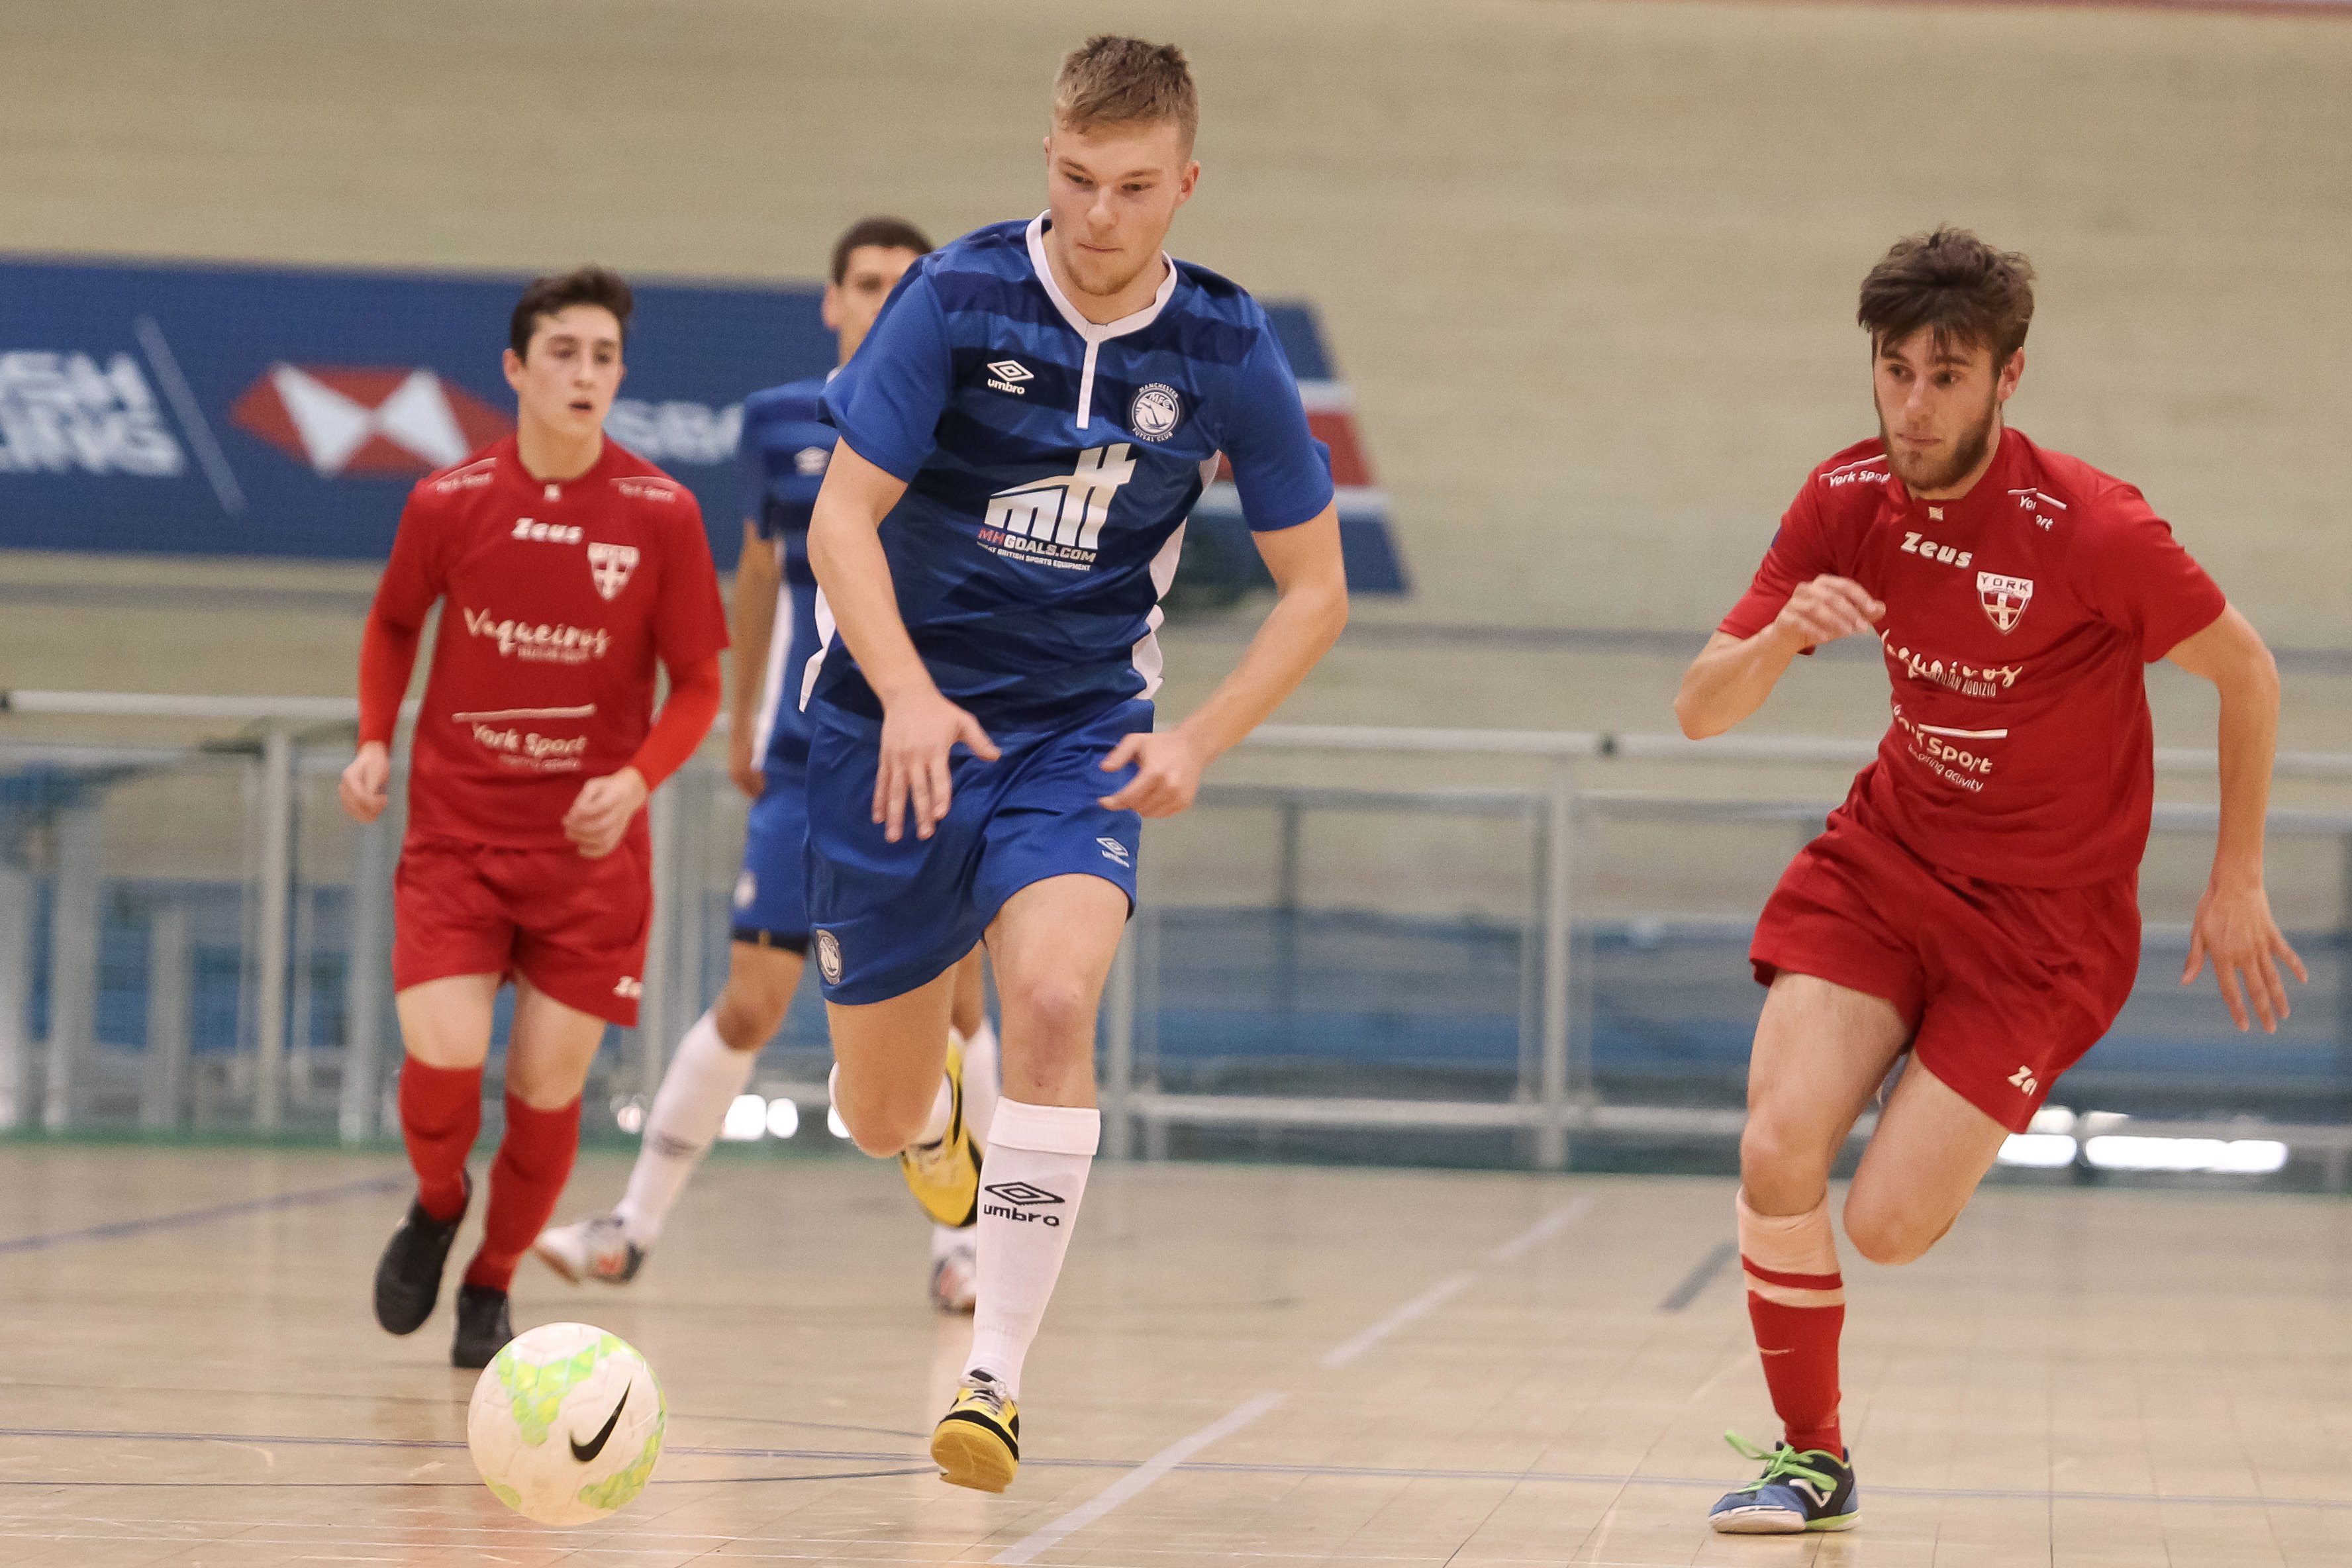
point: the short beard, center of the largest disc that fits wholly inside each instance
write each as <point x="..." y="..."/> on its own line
<point x="1967" y="453"/>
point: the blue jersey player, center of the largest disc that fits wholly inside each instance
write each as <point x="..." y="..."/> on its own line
<point x="784" y="447"/>
<point x="1022" y="436"/>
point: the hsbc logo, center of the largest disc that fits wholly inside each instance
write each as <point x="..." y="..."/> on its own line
<point x="348" y="422"/>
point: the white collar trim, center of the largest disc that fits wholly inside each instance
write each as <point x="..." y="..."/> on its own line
<point x="1096" y="332"/>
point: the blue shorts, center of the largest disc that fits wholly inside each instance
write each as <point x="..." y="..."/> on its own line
<point x="889" y="917"/>
<point x="772" y="893"/>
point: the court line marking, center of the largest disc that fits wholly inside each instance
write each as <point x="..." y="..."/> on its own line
<point x="1700" y="1278"/>
<point x="1137" y="1478"/>
<point x="1421" y="1306"/>
<point x="120" y="1229"/>
<point x="1174" y="1456"/>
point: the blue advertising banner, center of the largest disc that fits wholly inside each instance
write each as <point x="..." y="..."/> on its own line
<point x="270" y="411"/>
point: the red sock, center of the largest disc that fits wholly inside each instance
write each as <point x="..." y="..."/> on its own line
<point x="534" y="1161"/>
<point x="440" y="1112"/>
<point x="1796" y="1302"/>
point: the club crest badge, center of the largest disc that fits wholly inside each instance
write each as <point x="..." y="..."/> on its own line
<point x="610" y="565"/>
<point x="1156" y="412"/>
<point x="2004" y="599"/>
<point x="828" y="957"/>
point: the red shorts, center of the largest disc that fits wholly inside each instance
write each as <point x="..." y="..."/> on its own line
<point x="574" y="928"/>
<point x="2004" y="987"/>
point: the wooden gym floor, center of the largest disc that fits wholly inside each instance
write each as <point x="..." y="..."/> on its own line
<point x="1245" y="1365"/>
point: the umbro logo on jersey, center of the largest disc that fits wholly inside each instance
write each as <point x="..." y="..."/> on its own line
<point x="610" y="565"/>
<point x="546" y="533"/>
<point x="1007" y="375"/>
<point x="2004" y="599"/>
<point x="810" y="461"/>
<point x="1058" y="521"/>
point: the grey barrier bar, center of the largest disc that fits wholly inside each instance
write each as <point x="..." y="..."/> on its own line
<point x="1559" y="929"/>
<point x="16" y="990"/>
<point x="654" y="1001"/>
<point x="170" y="992"/>
<point x="274" y="936"/>
<point x="1118" y="1050"/>
<point x="366" y="982"/>
<point x="73" y="962"/>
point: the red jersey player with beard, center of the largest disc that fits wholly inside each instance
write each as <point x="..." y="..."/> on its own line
<point x="567" y="567"/>
<point x="1974" y="902"/>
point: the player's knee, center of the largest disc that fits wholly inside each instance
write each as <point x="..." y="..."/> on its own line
<point x="879" y="1127"/>
<point x="1772" y="1155"/>
<point x="1887" y="1234"/>
<point x="1053" y="1010"/>
<point x="749" y="1012"/>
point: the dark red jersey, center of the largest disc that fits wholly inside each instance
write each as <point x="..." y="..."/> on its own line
<point x="560" y="599"/>
<point x="2019" y="619"/>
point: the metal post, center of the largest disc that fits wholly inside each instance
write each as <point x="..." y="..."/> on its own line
<point x="1119" y="1051"/>
<point x="271" y="940"/>
<point x="366" y="982"/>
<point x="170" y="988"/>
<point x="15" y="989"/>
<point x="73" y="961"/>
<point x="1559" y="846"/>
<point x="654" y="1001"/>
<point x="686" y="999"/>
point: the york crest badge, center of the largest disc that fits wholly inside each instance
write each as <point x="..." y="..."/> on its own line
<point x="2004" y="599"/>
<point x="610" y="565"/>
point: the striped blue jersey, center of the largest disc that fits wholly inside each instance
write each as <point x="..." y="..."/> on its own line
<point x="1050" y="464"/>
<point x="784" y="448"/>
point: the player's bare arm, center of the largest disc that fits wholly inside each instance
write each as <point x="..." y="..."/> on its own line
<point x="1311" y="610"/>
<point x="920" y="727"/>
<point x="2234" y="925"/>
<point x="757" y="577"/>
<point x="1733" y="676"/>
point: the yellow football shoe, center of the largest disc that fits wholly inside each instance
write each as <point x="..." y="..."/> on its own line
<point x="945" y="1177"/>
<point x="977" y="1442"/>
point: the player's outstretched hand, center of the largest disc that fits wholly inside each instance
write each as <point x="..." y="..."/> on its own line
<point x="741" y="766"/>
<point x="1827" y="608"/>
<point x="1167" y="773"/>
<point x="362" y="785"/>
<point x="600" y="812"/>
<point x="918" y="730"/>
<point x="2234" y="928"/>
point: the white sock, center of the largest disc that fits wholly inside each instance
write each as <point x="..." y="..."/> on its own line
<point x="702" y="1081"/>
<point x="942" y="1106"/>
<point x="1036" y="1175"/>
<point x="980" y="1083"/>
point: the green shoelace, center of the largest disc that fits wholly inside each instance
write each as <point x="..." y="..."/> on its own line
<point x="1781" y="1463"/>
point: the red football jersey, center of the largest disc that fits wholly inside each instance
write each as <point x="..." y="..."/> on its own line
<point x="559" y="598"/>
<point x="2018" y="620"/>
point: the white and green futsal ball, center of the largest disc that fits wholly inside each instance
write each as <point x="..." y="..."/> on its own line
<point x="566" y="1424"/>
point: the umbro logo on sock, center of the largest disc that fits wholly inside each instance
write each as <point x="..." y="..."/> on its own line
<point x="1019" y="1200"/>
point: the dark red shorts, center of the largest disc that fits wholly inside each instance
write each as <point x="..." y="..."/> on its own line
<point x="2004" y="987"/>
<point x="574" y="928"/>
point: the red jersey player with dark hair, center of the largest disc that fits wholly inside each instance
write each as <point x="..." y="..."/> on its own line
<point x="1975" y="900"/>
<point x="567" y="567"/>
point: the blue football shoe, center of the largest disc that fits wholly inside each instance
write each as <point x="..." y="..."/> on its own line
<point x="1799" y="1491"/>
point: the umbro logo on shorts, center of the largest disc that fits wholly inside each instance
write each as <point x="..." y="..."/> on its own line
<point x="1115" y="852"/>
<point x="1007" y="375"/>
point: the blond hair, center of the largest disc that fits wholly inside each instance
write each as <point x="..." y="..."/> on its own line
<point x="1111" y="80"/>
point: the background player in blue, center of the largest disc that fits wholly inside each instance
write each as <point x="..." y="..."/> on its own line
<point x="1022" y="435"/>
<point x="784" y="448"/>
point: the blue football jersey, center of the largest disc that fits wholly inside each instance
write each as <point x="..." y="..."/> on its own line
<point x="1050" y="464"/>
<point x="784" y="452"/>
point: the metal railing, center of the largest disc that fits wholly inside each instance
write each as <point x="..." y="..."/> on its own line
<point x="1553" y="1101"/>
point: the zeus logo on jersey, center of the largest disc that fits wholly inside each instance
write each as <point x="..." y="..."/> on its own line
<point x="545" y="533"/>
<point x="1058" y="521"/>
<point x="1928" y="550"/>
